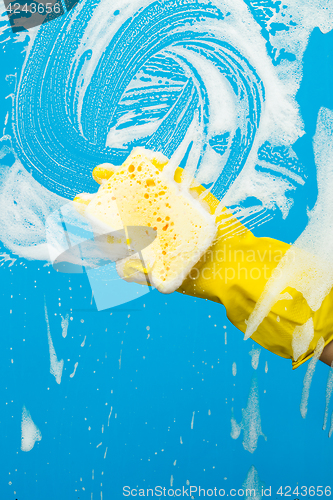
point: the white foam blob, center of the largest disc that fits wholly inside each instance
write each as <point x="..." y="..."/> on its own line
<point x="255" y="353"/>
<point x="251" y="421"/>
<point x="331" y="428"/>
<point x="252" y="485"/>
<point x="302" y="337"/>
<point x="329" y="390"/>
<point x="75" y="367"/>
<point x="56" y="366"/>
<point x="308" y="377"/>
<point x="24" y="206"/>
<point x="29" y="431"/>
<point x="64" y="325"/>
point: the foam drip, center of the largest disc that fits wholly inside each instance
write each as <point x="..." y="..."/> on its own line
<point x="308" y="378"/>
<point x="251" y="421"/>
<point x="56" y="366"/>
<point x="307" y="266"/>
<point x="29" y="431"/>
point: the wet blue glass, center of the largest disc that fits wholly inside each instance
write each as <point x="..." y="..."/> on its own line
<point x="148" y="387"/>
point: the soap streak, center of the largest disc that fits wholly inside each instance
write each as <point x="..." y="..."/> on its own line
<point x="56" y="366"/>
<point x="308" y="377"/>
<point x="329" y="389"/>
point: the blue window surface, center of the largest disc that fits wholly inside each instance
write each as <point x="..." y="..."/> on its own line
<point x="111" y="389"/>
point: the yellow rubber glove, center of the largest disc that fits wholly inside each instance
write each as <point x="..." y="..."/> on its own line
<point x="234" y="272"/>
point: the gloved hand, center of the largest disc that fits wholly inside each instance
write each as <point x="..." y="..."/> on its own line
<point x="234" y="272"/>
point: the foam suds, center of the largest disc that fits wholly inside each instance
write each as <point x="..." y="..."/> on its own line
<point x="331" y="428"/>
<point x="251" y="421"/>
<point x="302" y="338"/>
<point x="192" y="421"/>
<point x="308" y="265"/>
<point x="4" y="257"/>
<point x="308" y="377"/>
<point x="29" y="431"/>
<point x="56" y="366"/>
<point x="210" y="57"/>
<point x="255" y="353"/>
<point x="225" y="56"/>
<point x="234" y="369"/>
<point x="25" y="206"/>
<point x="75" y="367"/>
<point x="64" y="325"/>
<point x="329" y="389"/>
<point x="253" y="482"/>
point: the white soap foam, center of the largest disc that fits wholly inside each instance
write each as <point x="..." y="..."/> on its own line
<point x="308" y="265"/>
<point x="29" y="431"/>
<point x="251" y="421"/>
<point x="252" y="484"/>
<point x="329" y="390"/>
<point x="302" y="338"/>
<point x="255" y="353"/>
<point x="24" y="206"/>
<point x="24" y="233"/>
<point x="56" y="366"/>
<point x="331" y="428"/>
<point x="64" y="325"/>
<point x="4" y="257"/>
<point x="270" y="190"/>
<point x="119" y="138"/>
<point x="235" y="427"/>
<point x="192" y="421"/>
<point x="75" y="367"/>
<point x="308" y="377"/>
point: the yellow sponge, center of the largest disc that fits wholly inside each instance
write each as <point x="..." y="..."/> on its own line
<point x="141" y="193"/>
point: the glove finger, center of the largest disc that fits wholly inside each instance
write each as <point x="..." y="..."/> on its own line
<point x="103" y="172"/>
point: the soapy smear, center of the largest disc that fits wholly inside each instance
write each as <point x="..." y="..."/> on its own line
<point x="308" y="377"/>
<point x="329" y="389"/>
<point x="25" y="206"/>
<point x="255" y="353"/>
<point x="251" y="421"/>
<point x="4" y="257"/>
<point x="253" y="482"/>
<point x="99" y="81"/>
<point x="75" y="367"/>
<point x="302" y="338"/>
<point x="29" y="431"/>
<point x="307" y="266"/>
<point x="64" y="325"/>
<point x="96" y="91"/>
<point x="56" y="366"/>
<point x="331" y="429"/>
